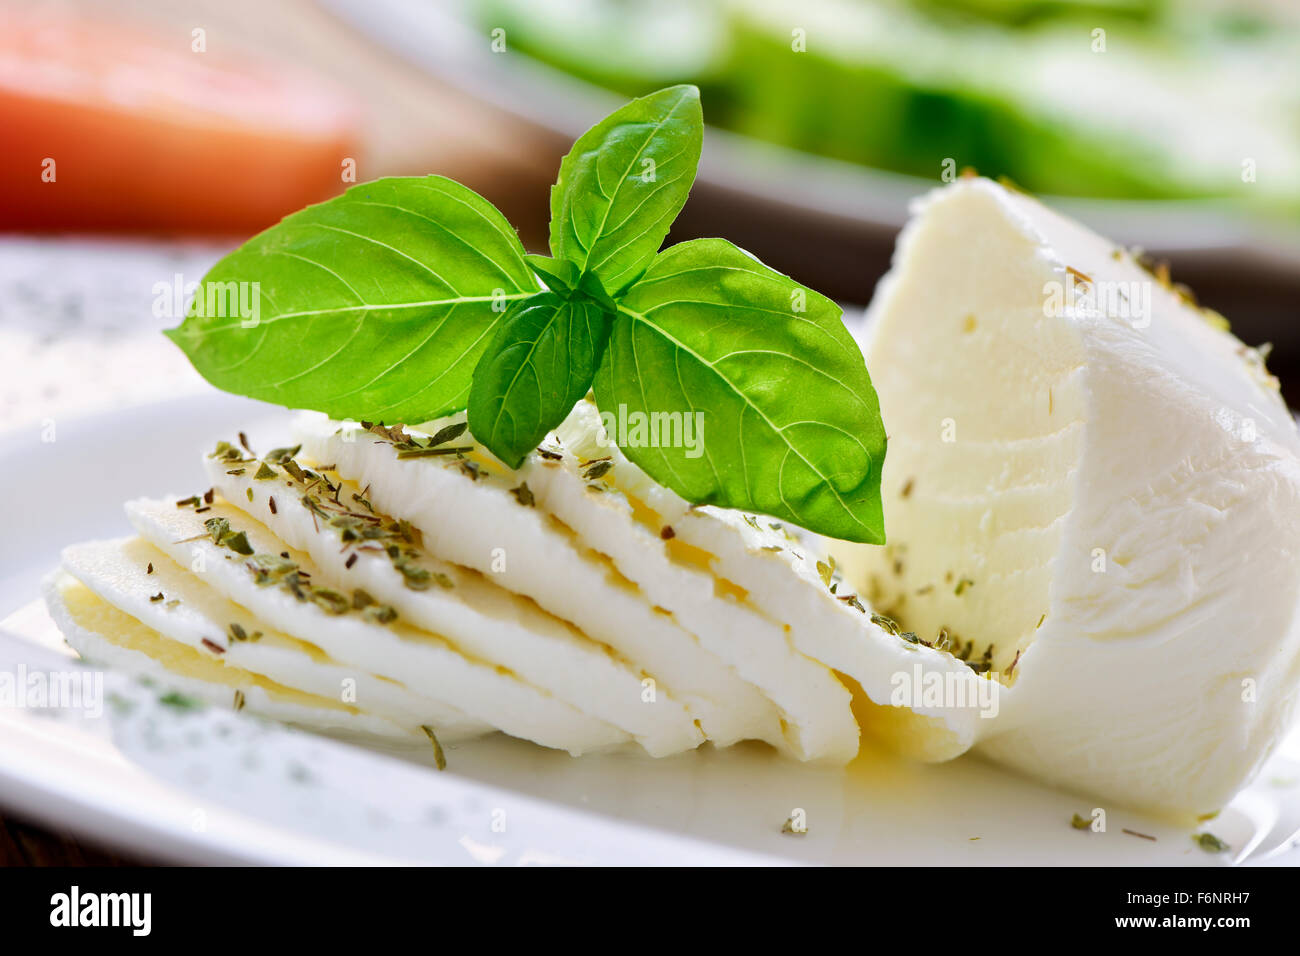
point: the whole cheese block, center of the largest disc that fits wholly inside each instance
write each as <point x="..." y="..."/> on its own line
<point x="1096" y="486"/>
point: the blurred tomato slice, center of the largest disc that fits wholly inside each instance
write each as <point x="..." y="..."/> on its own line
<point x="147" y="135"/>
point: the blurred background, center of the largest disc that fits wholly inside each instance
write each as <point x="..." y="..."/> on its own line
<point x="142" y="139"/>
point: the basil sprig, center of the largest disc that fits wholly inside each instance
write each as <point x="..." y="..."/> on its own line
<point x="410" y="298"/>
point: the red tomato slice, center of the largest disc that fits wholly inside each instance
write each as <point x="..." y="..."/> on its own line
<point x="107" y="127"/>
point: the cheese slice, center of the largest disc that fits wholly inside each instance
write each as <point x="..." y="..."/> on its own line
<point x="1090" y="476"/>
<point x="477" y="616"/>
<point x="679" y="577"/>
<point x="104" y="635"/>
<point x="474" y="517"/>
<point x="771" y="581"/>
<point x="141" y="581"/>
<point x="396" y="651"/>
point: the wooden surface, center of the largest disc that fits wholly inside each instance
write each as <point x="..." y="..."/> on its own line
<point x="23" y="844"/>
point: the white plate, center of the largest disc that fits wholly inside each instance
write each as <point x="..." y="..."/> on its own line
<point x="217" y="787"/>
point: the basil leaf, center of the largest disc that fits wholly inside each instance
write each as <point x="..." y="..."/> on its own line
<point x="539" y="365"/>
<point x="590" y="286"/>
<point x="563" y="278"/>
<point x="374" y="305"/>
<point x="560" y="275"/>
<point x="789" y="421"/>
<point x="623" y="184"/>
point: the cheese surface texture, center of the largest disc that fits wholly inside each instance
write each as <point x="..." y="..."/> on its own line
<point x="1090" y="476"/>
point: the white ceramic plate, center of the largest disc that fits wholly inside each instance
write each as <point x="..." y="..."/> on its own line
<point x="218" y="787"/>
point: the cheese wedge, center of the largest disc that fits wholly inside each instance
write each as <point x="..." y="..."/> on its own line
<point x="1090" y="476"/>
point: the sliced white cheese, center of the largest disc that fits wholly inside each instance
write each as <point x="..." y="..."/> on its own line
<point x="397" y="651"/>
<point x="104" y="635"/>
<point x="1117" y="482"/>
<point x="472" y="613"/>
<point x="136" y="578"/>
<point x="777" y="580"/>
<point x="676" y="575"/>
<point x="476" y="519"/>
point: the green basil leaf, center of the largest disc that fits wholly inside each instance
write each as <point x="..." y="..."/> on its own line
<point x="561" y="275"/>
<point x="563" y="278"/>
<point x="623" y="184"/>
<point x="374" y="305"/>
<point x="733" y="385"/>
<point x="539" y="365"/>
<point x="591" y="287"/>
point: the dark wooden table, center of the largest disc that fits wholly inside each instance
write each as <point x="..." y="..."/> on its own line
<point x="23" y="844"/>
